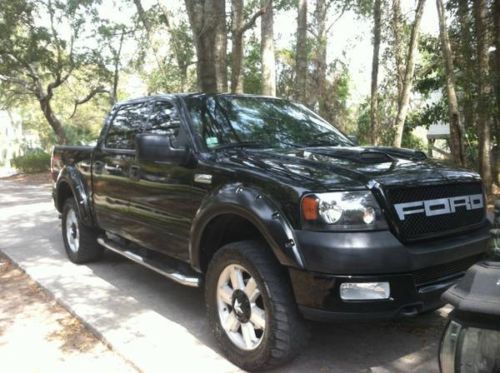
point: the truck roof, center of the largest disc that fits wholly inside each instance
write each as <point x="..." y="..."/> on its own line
<point x="188" y="94"/>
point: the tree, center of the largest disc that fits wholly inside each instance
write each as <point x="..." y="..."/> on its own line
<point x="397" y="32"/>
<point x="267" y="49"/>
<point x="480" y="10"/>
<point x="377" y="14"/>
<point x="220" y="45"/>
<point x="205" y="18"/>
<point x="408" y="76"/>
<point x="36" y="61"/>
<point x="301" y="52"/>
<point x="467" y="66"/>
<point x="238" y="29"/>
<point x="179" y="42"/>
<point x="457" y="131"/>
<point x="496" y="23"/>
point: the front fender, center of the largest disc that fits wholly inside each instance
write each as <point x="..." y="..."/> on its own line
<point x="254" y="206"/>
<point x="69" y="176"/>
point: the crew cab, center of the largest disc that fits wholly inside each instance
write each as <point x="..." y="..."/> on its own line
<point x="277" y="213"/>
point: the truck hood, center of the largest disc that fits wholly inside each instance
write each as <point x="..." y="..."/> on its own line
<point x="348" y="167"/>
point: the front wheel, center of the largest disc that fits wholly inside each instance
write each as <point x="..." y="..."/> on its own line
<point x="250" y="306"/>
<point x="80" y="241"/>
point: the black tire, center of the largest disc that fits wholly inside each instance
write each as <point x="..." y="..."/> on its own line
<point x="87" y="249"/>
<point x="284" y="334"/>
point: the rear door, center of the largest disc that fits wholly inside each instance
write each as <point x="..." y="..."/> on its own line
<point x="113" y="159"/>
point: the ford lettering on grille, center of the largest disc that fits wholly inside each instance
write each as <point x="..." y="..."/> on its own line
<point x="439" y="206"/>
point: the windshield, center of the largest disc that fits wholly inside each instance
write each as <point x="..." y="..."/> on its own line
<point x="249" y="121"/>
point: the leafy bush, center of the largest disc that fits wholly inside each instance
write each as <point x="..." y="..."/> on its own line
<point x="32" y="161"/>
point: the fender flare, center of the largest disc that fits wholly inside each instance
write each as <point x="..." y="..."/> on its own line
<point x="255" y="207"/>
<point x="71" y="176"/>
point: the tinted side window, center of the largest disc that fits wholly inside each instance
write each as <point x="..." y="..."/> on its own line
<point x="128" y="121"/>
<point x="208" y="121"/>
<point x="164" y="120"/>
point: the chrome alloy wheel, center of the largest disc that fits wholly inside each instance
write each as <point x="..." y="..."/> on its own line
<point x="72" y="232"/>
<point x="241" y="307"/>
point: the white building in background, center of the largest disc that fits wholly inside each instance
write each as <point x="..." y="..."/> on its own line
<point x="13" y="139"/>
<point x="438" y="136"/>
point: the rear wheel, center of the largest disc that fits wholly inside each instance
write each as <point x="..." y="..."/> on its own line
<point x="251" y="308"/>
<point x="80" y="241"/>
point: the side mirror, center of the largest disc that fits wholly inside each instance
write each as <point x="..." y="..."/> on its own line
<point x="353" y="138"/>
<point x="157" y="148"/>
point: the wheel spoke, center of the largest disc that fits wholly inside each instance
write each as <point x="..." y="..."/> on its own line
<point x="226" y="294"/>
<point x="236" y="278"/>
<point x="258" y="318"/>
<point x="250" y="289"/>
<point x="248" y="334"/>
<point x="231" y="324"/>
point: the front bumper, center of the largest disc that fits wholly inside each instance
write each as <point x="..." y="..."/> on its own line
<point x="418" y="274"/>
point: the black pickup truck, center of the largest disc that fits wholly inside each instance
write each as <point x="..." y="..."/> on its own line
<point x="277" y="213"/>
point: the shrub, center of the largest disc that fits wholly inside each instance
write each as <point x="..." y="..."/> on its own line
<point x="32" y="161"/>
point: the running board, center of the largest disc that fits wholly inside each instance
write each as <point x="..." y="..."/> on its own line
<point x="156" y="265"/>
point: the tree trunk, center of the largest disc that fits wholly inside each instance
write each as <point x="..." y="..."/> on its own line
<point x="239" y="27"/>
<point x="116" y="73"/>
<point x="320" y="15"/>
<point x="377" y="14"/>
<point x="484" y="88"/>
<point x="203" y="19"/>
<point x="53" y="121"/>
<point x="496" y="22"/>
<point x="267" y="49"/>
<point x="408" y="77"/>
<point x="237" y="46"/>
<point x="468" y="64"/>
<point x="220" y="45"/>
<point x="397" y="31"/>
<point x="177" y="47"/>
<point x="456" y="128"/>
<point x="301" y="53"/>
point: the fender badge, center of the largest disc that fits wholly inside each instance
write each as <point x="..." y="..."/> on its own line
<point x="203" y="178"/>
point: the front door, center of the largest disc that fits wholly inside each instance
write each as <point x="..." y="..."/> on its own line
<point x="163" y="200"/>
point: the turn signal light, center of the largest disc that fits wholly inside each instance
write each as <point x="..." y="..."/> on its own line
<point x="310" y="208"/>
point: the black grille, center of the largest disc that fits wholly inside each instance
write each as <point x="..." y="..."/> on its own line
<point x="419" y="226"/>
<point x="432" y="274"/>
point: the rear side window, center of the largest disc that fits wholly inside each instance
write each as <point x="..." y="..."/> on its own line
<point x="127" y="123"/>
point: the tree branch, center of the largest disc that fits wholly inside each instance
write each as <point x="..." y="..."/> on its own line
<point x="251" y="22"/>
<point x="89" y="97"/>
<point x="344" y="8"/>
<point x="19" y="82"/>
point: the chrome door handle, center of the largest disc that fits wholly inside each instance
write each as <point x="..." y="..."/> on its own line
<point x="112" y="168"/>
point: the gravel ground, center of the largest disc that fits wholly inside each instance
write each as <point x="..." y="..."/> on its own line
<point x="38" y="335"/>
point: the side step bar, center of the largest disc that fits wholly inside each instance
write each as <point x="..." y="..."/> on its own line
<point x="157" y="266"/>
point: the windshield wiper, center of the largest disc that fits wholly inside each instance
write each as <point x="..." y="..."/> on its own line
<point x="323" y="143"/>
<point x="242" y="144"/>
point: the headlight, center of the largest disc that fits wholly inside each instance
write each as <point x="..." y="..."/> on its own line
<point x="357" y="210"/>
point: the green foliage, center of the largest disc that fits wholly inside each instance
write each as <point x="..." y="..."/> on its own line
<point x="32" y="161"/>
<point x="411" y="141"/>
<point x="252" y="78"/>
<point x="335" y="107"/>
<point x="363" y="133"/>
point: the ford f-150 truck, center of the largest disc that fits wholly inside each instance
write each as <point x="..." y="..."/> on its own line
<point x="278" y="214"/>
